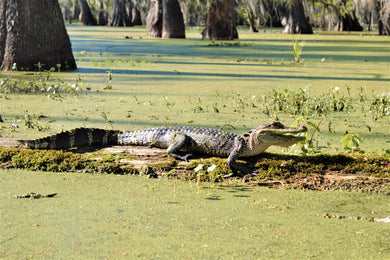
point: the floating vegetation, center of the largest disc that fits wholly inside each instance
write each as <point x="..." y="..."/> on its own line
<point x="46" y="82"/>
<point x="122" y="62"/>
<point x="351" y="142"/>
<point x="109" y="80"/>
<point x="33" y="195"/>
<point x="317" y="172"/>
<point x="297" y="49"/>
<point x="228" y="44"/>
<point x="33" y="122"/>
<point x="302" y="102"/>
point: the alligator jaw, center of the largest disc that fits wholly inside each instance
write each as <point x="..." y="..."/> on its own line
<point x="283" y="137"/>
<point x="276" y="133"/>
<point x="285" y="140"/>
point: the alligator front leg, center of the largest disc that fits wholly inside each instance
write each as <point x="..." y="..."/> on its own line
<point x="233" y="156"/>
<point x="181" y="143"/>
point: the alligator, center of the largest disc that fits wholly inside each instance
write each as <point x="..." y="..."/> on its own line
<point x="180" y="142"/>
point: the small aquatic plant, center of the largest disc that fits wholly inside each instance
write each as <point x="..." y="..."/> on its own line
<point x="297" y="49"/>
<point x="351" y="142"/>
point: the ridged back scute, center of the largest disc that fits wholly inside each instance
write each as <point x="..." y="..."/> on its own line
<point x="79" y="137"/>
<point x="204" y="140"/>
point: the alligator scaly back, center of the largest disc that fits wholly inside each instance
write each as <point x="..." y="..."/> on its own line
<point x="79" y="137"/>
<point x="199" y="140"/>
<point x="181" y="142"/>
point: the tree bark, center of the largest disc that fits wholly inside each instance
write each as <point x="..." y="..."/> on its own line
<point x="250" y="17"/>
<point x="3" y="29"/>
<point x="154" y="19"/>
<point x="67" y="12"/>
<point x="349" y="22"/>
<point x="86" y="17"/>
<point x="119" y="16"/>
<point x="103" y="15"/>
<point x="76" y="10"/>
<point x="220" y="24"/>
<point x="33" y="32"/>
<point x="347" y="19"/>
<point x="173" y="22"/>
<point x="136" y="16"/>
<point x="297" y="22"/>
<point x="383" y="14"/>
<point x="234" y="18"/>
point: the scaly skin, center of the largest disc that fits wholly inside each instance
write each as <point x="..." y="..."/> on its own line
<point x="181" y="142"/>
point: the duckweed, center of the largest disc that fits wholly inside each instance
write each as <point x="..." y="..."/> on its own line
<point x="369" y="173"/>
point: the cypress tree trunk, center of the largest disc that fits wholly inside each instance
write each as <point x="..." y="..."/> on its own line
<point x="119" y="16"/>
<point x="347" y="19"/>
<point x="220" y="24"/>
<point x="86" y="17"/>
<point x="383" y="14"/>
<point x="154" y="19"/>
<point x="348" y="22"/>
<point x="250" y="18"/>
<point x="136" y="16"/>
<point x="297" y="22"/>
<point x="173" y="22"/>
<point x="33" y="32"/>
<point x="103" y="15"/>
<point x="3" y="30"/>
<point x="76" y="9"/>
<point x="234" y="18"/>
<point x="67" y="13"/>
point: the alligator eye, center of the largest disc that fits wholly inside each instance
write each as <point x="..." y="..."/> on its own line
<point x="276" y="124"/>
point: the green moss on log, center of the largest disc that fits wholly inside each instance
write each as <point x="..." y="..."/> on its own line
<point x="59" y="161"/>
<point x="369" y="172"/>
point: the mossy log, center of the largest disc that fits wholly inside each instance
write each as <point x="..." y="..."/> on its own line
<point x="359" y="172"/>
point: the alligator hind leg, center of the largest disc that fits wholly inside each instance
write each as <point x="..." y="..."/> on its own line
<point x="181" y="143"/>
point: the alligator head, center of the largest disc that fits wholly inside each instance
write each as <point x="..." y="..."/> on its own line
<point x="275" y="133"/>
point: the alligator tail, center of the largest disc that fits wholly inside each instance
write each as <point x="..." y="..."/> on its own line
<point x="79" y="137"/>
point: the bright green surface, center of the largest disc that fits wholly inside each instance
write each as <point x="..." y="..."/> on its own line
<point x="108" y="216"/>
<point x="111" y="216"/>
<point x="164" y="82"/>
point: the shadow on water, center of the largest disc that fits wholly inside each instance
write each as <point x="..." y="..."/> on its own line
<point x="169" y="75"/>
<point x="374" y="51"/>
